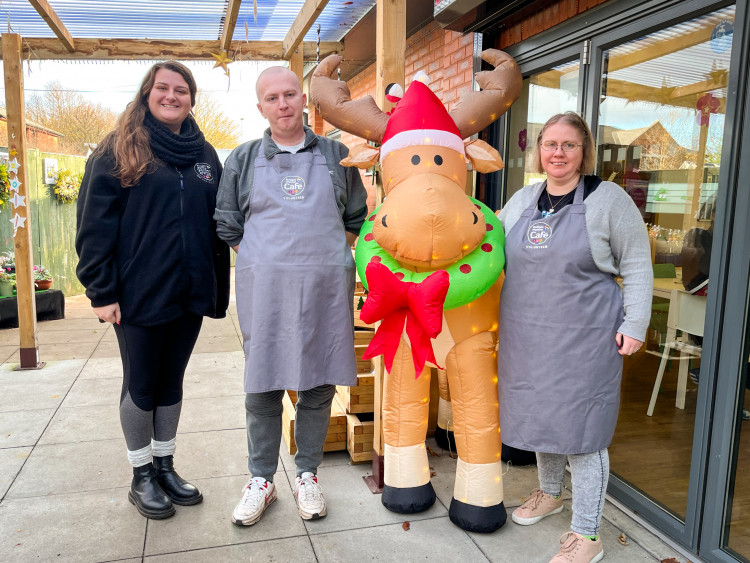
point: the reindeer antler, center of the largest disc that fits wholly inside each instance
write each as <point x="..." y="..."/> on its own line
<point x="500" y="88"/>
<point x="334" y="101"/>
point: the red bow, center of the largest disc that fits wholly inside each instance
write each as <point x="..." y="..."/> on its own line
<point x="418" y="305"/>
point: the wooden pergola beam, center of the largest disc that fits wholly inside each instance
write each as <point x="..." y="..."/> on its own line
<point x="41" y="48"/>
<point x="230" y="21"/>
<point x="302" y="24"/>
<point x="48" y="15"/>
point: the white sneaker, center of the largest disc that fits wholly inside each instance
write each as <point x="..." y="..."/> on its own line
<point x="256" y="496"/>
<point x="310" y="502"/>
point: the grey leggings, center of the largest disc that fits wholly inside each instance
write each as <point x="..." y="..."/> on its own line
<point x="590" y="473"/>
<point x="263" y="418"/>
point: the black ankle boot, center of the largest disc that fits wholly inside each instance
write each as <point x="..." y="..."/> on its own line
<point x="147" y="496"/>
<point x="180" y="491"/>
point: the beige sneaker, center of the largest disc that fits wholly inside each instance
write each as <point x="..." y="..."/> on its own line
<point x="539" y="505"/>
<point x="577" y="549"/>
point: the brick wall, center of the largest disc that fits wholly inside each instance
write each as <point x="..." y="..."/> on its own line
<point x="539" y="17"/>
<point x="35" y="138"/>
<point x="445" y="56"/>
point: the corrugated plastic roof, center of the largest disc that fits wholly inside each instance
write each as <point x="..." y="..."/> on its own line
<point x="180" y="19"/>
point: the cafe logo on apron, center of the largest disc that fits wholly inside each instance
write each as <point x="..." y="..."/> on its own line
<point x="538" y="234"/>
<point x="203" y="170"/>
<point x="293" y="186"/>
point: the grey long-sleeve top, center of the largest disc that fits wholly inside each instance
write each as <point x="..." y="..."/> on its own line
<point x="619" y="244"/>
<point x="233" y="199"/>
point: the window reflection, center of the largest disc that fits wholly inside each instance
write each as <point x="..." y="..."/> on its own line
<point x="542" y="95"/>
<point x="661" y="121"/>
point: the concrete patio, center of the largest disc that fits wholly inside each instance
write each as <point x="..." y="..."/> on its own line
<point x="64" y="475"/>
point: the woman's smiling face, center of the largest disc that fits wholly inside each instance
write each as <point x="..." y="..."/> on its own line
<point x="169" y="99"/>
<point x="562" y="168"/>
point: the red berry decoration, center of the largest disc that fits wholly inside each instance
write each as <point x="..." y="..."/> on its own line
<point x="487" y="247"/>
<point x="465" y="268"/>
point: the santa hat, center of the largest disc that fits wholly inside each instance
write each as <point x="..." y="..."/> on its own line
<point x="420" y="119"/>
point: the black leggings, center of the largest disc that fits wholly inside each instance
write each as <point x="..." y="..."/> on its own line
<point x="154" y="359"/>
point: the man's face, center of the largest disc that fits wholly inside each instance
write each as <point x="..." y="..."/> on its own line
<point x="281" y="103"/>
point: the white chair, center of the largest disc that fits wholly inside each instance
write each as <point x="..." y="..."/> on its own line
<point x="687" y="313"/>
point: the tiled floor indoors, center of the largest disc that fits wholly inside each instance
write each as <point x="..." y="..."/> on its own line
<point x="64" y="475"/>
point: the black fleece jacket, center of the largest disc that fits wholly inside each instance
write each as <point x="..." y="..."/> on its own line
<point x="153" y="247"/>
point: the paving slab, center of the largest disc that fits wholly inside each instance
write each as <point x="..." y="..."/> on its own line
<point x="214" y="375"/>
<point x="8" y="353"/>
<point x="23" y="428"/>
<point x="97" y="368"/>
<point x="329" y="458"/>
<point x="218" y="327"/>
<point x="209" y="524"/>
<point x="87" y="323"/>
<point x="91" y="392"/>
<point x="71" y="468"/>
<point x="218" y="344"/>
<point x="66" y="351"/>
<point x="351" y="505"/>
<point x="69" y="336"/>
<point x="107" y="348"/>
<point x="433" y="539"/>
<point x="11" y="461"/>
<point x="296" y="549"/>
<point x="83" y="424"/>
<point x="212" y="413"/>
<point x="36" y="389"/>
<point x="94" y="526"/>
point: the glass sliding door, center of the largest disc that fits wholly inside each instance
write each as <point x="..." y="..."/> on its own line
<point x="660" y="123"/>
<point x="543" y="94"/>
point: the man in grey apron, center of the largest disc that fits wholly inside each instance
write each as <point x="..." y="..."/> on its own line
<point x="291" y="212"/>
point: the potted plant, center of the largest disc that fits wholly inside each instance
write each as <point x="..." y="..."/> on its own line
<point x="42" y="278"/>
<point x="4" y="184"/>
<point x="7" y="281"/>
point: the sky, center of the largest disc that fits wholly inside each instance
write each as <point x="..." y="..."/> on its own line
<point x="114" y="83"/>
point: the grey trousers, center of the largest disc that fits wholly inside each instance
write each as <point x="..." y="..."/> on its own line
<point x="590" y="474"/>
<point x="263" y="420"/>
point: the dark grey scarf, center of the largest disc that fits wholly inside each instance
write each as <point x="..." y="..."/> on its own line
<point x="176" y="150"/>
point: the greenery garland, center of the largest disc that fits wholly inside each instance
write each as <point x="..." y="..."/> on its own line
<point x="469" y="277"/>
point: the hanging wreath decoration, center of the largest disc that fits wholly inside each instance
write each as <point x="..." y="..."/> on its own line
<point x="67" y="186"/>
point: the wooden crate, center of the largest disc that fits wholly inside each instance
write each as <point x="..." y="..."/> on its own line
<point x="361" y="397"/>
<point x="359" y="435"/>
<point x="336" y="436"/>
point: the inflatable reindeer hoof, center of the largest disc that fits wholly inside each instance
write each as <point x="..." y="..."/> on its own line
<point x="481" y="519"/>
<point x="445" y="439"/>
<point x="516" y="456"/>
<point x="408" y="500"/>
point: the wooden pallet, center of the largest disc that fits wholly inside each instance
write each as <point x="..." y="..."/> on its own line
<point x="336" y="436"/>
<point x="361" y="397"/>
<point x="359" y="436"/>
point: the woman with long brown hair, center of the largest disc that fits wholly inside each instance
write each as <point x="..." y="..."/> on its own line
<point x="153" y="266"/>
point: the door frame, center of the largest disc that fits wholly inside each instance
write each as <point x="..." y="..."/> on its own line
<point x="606" y="26"/>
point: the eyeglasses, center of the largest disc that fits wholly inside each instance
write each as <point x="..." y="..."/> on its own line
<point x="566" y="147"/>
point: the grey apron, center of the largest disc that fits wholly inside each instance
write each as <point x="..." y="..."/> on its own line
<point x="295" y="279"/>
<point x="559" y="369"/>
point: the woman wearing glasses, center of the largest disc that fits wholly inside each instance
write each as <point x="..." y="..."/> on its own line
<point x="565" y="325"/>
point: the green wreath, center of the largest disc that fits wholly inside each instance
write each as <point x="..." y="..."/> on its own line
<point x="469" y="278"/>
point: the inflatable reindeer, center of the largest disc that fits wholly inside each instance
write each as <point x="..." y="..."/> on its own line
<point x="431" y="257"/>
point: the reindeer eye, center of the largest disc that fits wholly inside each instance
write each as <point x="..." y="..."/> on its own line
<point x="438" y="159"/>
<point x="415" y="159"/>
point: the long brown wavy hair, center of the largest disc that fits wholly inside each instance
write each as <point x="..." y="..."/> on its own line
<point x="129" y="141"/>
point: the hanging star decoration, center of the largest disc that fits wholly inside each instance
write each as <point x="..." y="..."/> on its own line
<point x="14" y="185"/>
<point x="13" y="152"/>
<point x="222" y="61"/>
<point x="13" y="166"/>
<point x="18" y="200"/>
<point x="18" y="222"/>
